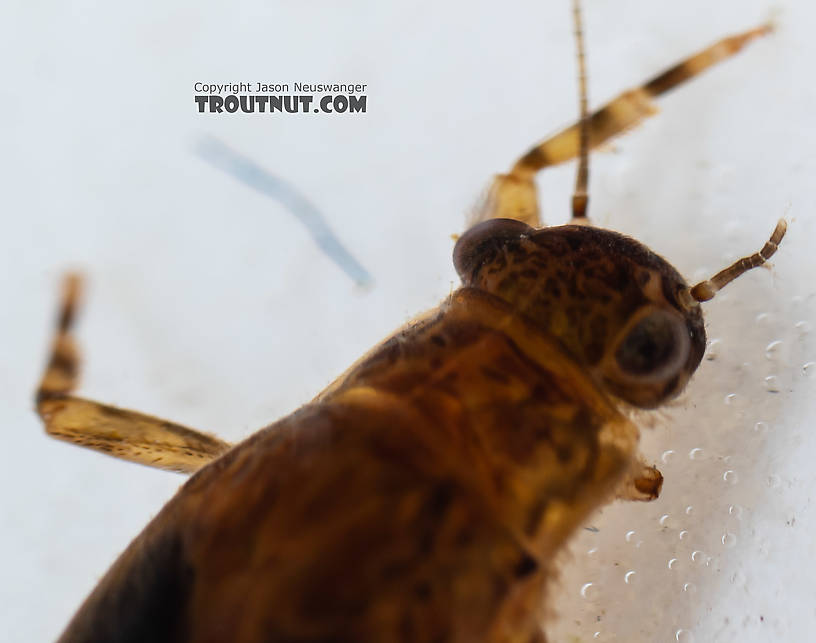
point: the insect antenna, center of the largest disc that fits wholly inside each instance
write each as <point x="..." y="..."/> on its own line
<point x="706" y="290"/>
<point x="580" y="198"/>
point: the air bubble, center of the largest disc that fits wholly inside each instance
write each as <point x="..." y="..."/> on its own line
<point x="735" y="511"/>
<point x="690" y="588"/>
<point x="761" y="427"/>
<point x="696" y="454"/>
<point x="668" y="455"/>
<point x="731" y="399"/>
<point x="597" y="635"/>
<point x="682" y="535"/>
<point x="731" y="477"/>
<point x="629" y="535"/>
<point x="772" y="384"/>
<point x="809" y="369"/>
<point x="762" y="318"/>
<point x="697" y="556"/>
<point x="772" y="349"/>
<point x="587" y="591"/>
<point x="672" y="563"/>
<point x="664" y="519"/>
<point x="729" y="539"/>
<point x="629" y="577"/>
<point x="774" y="481"/>
<point x="683" y="636"/>
<point x="689" y="510"/>
<point x="803" y="327"/>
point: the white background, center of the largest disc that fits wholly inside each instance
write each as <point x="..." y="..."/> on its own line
<point x="209" y="304"/>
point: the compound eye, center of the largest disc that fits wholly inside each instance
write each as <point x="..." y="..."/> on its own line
<point x="656" y="347"/>
<point x="482" y="241"/>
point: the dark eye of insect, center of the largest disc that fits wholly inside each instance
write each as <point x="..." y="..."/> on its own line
<point x="651" y="345"/>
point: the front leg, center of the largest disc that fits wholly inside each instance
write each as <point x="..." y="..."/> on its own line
<point x="513" y="195"/>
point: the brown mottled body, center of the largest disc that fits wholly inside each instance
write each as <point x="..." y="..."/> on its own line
<point x="423" y="496"/>
<point x="422" y="499"/>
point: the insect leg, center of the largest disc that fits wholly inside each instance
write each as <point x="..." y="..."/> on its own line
<point x="513" y="195"/>
<point x="125" y="434"/>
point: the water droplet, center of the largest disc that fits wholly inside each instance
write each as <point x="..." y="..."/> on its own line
<point x="713" y="349"/>
<point x="682" y="534"/>
<point x="761" y="427"/>
<point x="689" y="510"/>
<point x="729" y="539"/>
<point x="668" y="455"/>
<point x="697" y="556"/>
<point x="629" y="535"/>
<point x="803" y="327"/>
<point x="597" y="635"/>
<point x="772" y="349"/>
<point x="730" y="477"/>
<point x="735" y="511"/>
<point x="683" y="636"/>
<point x="731" y="399"/>
<point x="664" y="520"/>
<point x="772" y="384"/>
<point x="809" y="369"/>
<point x="587" y="591"/>
<point x="629" y="577"/>
<point x="672" y="563"/>
<point x="762" y="318"/>
<point x="691" y="588"/>
<point x="696" y="454"/>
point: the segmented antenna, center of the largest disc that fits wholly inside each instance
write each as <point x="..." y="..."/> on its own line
<point x="580" y="198"/>
<point x="706" y="290"/>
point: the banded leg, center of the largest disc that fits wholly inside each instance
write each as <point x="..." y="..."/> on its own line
<point x="513" y="195"/>
<point x="124" y="434"/>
